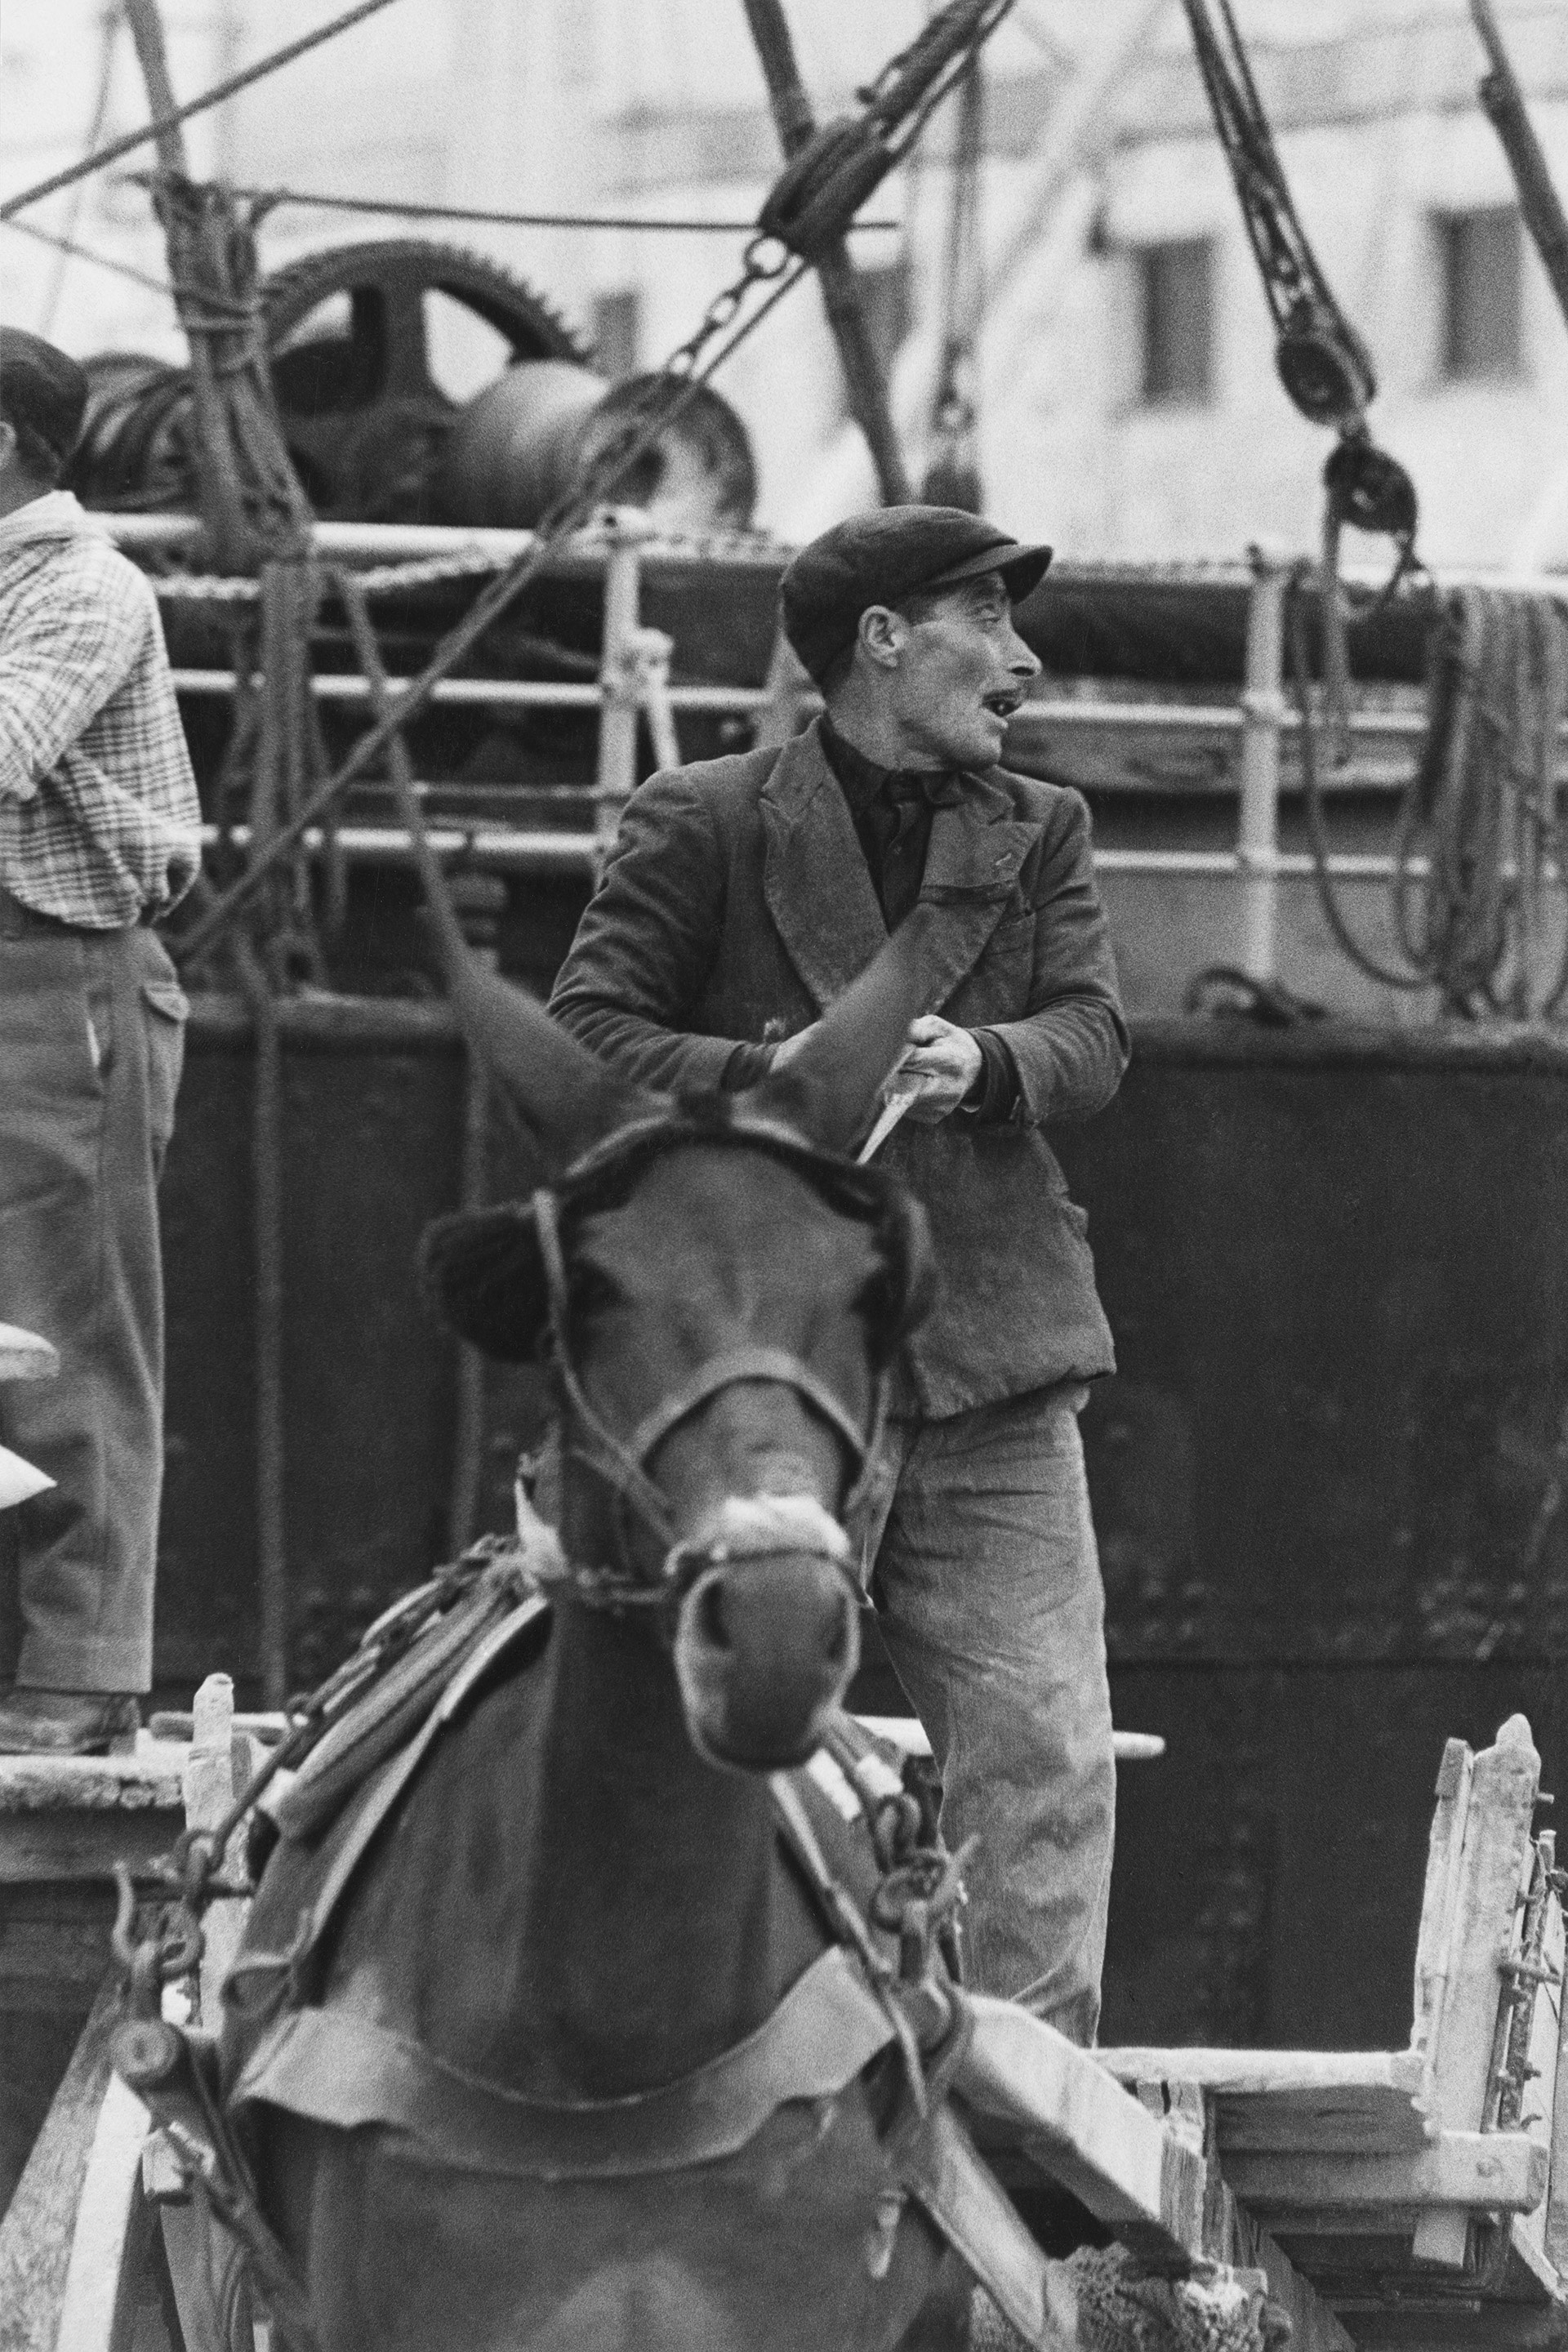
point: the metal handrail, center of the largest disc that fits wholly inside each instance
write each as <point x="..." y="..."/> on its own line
<point x="525" y="849"/>
<point x="542" y="694"/>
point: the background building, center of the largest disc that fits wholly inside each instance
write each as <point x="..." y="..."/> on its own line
<point x="1126" y="399"/>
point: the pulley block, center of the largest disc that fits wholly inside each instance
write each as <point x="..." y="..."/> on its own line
<point x="1369" y="489"/>
<point x="1325" y="368"/>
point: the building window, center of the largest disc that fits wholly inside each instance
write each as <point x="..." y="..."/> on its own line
<point x="617" y="331"/>
<point x="1478" y="260"/>
<point x="1176" y="293"/>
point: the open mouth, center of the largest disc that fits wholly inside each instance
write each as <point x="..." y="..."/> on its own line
<point x="1003" y="703"/>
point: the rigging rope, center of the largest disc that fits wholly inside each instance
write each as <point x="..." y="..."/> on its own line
<point x="172" y="117"/>
<point x="67" y="245"/>
<point x="1480" y="834"/>
<point x="1323" y="364"/>
<point x="674" y="225"/>
<point x="953" y="471"/>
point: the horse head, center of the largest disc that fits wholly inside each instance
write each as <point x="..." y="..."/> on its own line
<point x="721" y="1291"/>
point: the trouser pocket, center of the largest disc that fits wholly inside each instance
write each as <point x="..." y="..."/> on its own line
<point x="166" y="1009"/>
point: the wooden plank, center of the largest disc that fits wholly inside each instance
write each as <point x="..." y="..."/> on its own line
<point x="1415" y="2324"/>
<point x="39" y="1848"/>
<point x="36" y="2233"/>
<point x="1361" y="2101"/>
<point x="98" y="2307"/>
<point x="1489" y="2171"/>
<point x="1496" y="1851"/>
<point x="148" y="1777"/>
<point x="1314" y="2325"/>
<point x="1084" y="2130"/>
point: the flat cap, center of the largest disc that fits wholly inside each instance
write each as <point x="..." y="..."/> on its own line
<point x="43" y="388"/>
<point x="880" y="559"/>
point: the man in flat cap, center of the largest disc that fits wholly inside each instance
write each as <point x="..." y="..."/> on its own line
<point x="742" y="896"/>
<point x="99" y="835"/>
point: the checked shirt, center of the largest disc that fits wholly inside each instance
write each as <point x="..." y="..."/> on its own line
<point x="99" y="824"/>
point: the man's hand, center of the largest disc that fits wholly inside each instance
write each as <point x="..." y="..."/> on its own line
<point x="943" y="1062"/>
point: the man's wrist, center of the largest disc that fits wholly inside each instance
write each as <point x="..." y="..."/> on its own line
<point x="996" y="1088"/>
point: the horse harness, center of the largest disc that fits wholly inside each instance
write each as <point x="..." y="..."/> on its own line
<point x="620" y="1464"/>
<point x="359" y="1741"/>
<point x="418" y="1669"/>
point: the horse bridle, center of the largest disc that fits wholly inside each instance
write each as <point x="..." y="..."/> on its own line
<point x="619" y="1463"/>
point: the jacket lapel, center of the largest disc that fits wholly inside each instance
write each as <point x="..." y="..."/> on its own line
<point x="821" y="897"/>
<point x="977" y="846"/>
<point x="815" y="877"/>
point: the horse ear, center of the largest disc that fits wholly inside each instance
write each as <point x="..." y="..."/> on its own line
<point x="482" y="1271"/>
<point x="564" y="1096"/>
<point x="828" y="1089"/>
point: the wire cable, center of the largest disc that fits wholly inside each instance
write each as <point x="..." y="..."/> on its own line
<point x="67" y="245"/>
<point x="228" y="88"/>
<point x="663" y="224"/>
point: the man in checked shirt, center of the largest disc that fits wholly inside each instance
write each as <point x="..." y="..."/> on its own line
<point x="100" y="836"/>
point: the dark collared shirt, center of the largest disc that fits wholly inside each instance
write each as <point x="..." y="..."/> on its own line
<point x="892" y="810"/>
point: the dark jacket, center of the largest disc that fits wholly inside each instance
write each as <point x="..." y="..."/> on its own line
<point x="737" y="905"/>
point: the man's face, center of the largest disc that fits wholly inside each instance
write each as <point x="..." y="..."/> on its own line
<point x="962" y="672"/>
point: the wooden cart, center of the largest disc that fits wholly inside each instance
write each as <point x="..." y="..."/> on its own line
<point x="1412" y="2198"/>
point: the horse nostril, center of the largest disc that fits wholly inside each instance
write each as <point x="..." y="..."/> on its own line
<point x="711" y="1616"/>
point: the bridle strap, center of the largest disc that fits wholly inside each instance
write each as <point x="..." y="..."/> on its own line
<point x="619" y="1461"/>
<point x="612" y="1461"/>
<point x="726" y="1371"/>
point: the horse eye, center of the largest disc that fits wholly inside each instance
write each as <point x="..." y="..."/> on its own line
<point x="592" y="1289"/>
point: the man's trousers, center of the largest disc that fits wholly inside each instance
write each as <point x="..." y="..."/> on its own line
<point x="91" y="1041"/>
<point x="988" y="1594"/>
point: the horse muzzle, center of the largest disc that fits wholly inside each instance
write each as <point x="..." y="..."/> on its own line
<point x="767" y="1633"/>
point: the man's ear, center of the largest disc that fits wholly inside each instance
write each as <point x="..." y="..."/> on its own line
<point x="884" y="634"/>
<point x="8" y="445"/>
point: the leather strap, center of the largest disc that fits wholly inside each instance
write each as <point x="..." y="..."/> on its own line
<point x="944" y="2171"/>
<point x="379" y="1798"/>
<point x="390" y="1712"/>
<point x="340" y="2069"/>
<point x="722" y="1371"/>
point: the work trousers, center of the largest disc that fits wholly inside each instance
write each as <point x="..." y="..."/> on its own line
<point x="987" y="1584"/>
<point x="91" y="1042"/>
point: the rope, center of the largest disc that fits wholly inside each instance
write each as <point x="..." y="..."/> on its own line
<point x="174" y="116"/>
<point x="1480" y="819"/>
<point x="952" y="470"/>
<point x="108" y="34"/>
<point x="661" y="223"/>
<point x="67" y="245"/>
<point x="376" y="580"/>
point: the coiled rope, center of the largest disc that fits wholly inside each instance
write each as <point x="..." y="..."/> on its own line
<point x="1480" y="853"/>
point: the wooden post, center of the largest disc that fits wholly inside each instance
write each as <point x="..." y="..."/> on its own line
<point x="1494" y="1858"/>
<point x="835" y="271"/>
<point x="1444" y="1848"/>
<point x="1262" y="718"/>
<point x="1538" y="2094"/>
<point x="620" y="686"/>
<point x="1554" y="2235"/>
<point x="209" y="1791"/>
